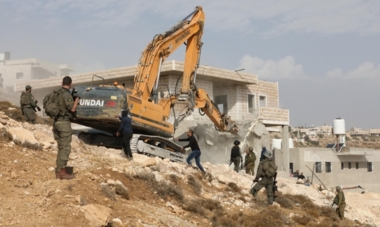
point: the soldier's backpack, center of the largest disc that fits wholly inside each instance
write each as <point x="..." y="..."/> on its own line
<point x="271" y="171"/>
<point x="51" y="104"/>
<point x="24" y="100"/>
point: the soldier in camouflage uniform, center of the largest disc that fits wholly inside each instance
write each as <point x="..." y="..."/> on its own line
<point x="266" y="172"/>
<point x="62" y="128"/>
<point x="28" y="103"/>
<point x="340" y="201"/>
<point x="249" y="162"/>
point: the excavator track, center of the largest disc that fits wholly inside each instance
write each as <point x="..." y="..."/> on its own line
<point x="156" y="146"/>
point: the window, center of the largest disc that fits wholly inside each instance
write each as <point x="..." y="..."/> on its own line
<point x="328" y="167"/>
<point x="221" y="103"/>
<point x="357" y="165"/>
<point x="251" y="103"/>
<point x="19" y="76"/>
<point x="369" y="166"/>
<point x="318" y="167"/>
<point x="342" y="165"/>
<point x="349" y="165"/>
<point x="263" y="101"/>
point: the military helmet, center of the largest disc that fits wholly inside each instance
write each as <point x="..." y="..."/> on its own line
<point x="27" y="87"/>
<point x="267" y="154"/>
<point x="250" y="149"/>
<point x="236" y="142"/>
<point x="338" y="188"/>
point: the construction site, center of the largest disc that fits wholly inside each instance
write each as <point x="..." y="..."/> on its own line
<point x="165" y="99"/>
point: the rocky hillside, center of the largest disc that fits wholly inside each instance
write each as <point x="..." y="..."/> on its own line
<point x="110" y="191"/>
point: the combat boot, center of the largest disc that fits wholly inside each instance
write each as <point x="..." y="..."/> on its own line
<point x="62" y="175"/>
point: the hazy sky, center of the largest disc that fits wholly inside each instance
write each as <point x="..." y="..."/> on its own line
<point x="324" y="54"/>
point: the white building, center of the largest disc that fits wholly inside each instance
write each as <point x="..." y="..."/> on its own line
<point x="25" y="70"/>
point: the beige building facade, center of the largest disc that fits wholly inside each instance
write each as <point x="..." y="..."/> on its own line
<point x="356" y="166"/>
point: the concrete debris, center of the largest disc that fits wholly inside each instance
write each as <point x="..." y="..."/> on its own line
<point x="97" y="215"/>
<point x="149" y="162"/>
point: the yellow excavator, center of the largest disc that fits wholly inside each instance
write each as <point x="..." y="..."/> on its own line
<point x="152" y="118"/>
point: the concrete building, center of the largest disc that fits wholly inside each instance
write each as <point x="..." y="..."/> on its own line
<point x="317" y="130"/>
<point x="358" y="132"/>
<point x="355" y="166"/>
<point x="25" y="70"/>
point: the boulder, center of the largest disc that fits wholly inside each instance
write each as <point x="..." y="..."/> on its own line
<point x="22" y="135"/>
<point x="96" y="214"/>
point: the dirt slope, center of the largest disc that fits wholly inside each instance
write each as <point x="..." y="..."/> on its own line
<point x="110" y="191"/>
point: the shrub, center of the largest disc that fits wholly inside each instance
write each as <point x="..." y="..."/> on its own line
<point x="194" y="184"/>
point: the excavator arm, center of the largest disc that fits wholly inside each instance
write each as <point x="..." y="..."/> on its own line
<point x="162" y="45"/>
<point x="152" y="114"/>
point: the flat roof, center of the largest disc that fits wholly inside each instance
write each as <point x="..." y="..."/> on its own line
<point x="169" y="67"/>
<point x="351" y="153"/>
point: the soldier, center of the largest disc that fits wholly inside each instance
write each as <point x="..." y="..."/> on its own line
<point x="340" y="201"/>
<point x="236" y="157"/>
<point x="249" y="163"/>
<point x="266" y="171"/>
<point x="28" y="104"/>
<point x="62" y="128"/>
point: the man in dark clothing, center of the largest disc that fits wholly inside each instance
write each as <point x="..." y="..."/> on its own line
<point x="236" y="157"/>
<point x="125" y="128"/>
<point x="27" y="104"/>
<point x="195" y="150"/>
<point x="301" y="176"/>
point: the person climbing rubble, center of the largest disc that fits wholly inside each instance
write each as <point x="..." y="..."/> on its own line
<point x="266" y="171"/>
<point x="249" y="163"/>
<point x="195" y="150"/>
<point x="236" y="157"/>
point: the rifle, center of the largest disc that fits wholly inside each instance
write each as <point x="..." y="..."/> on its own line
<point x="274" y="186"/>
<point x="37" y="107"/>
<point x="74" y="94"/>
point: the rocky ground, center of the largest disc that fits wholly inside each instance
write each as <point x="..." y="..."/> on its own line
<point x="110" y="191"/>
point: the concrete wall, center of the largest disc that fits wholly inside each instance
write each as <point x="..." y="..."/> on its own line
<point x="302" y="157"/>
<point x="265" y="88"/>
